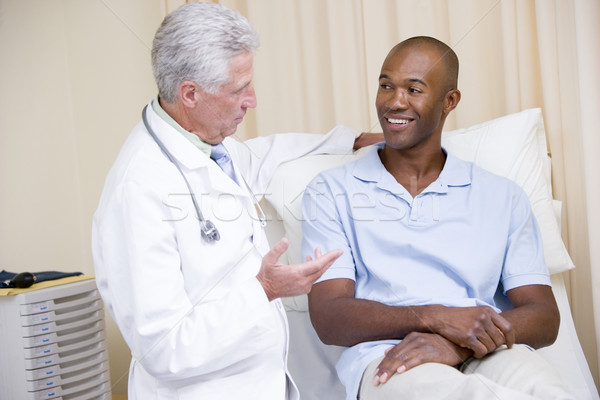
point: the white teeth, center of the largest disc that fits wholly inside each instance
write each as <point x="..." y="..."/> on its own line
<point x="398" y="121"/>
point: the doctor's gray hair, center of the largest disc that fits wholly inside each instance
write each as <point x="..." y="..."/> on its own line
<point x="196" y="42"/>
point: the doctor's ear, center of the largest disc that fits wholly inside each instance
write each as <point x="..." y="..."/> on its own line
<point x="189" y="93"/>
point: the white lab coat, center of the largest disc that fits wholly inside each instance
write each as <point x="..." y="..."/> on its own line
<point x="195" y="317"/>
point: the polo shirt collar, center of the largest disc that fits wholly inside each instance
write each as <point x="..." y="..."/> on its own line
<point x="456" y="172"/>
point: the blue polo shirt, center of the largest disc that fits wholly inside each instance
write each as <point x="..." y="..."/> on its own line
<point x="463" y="241"/>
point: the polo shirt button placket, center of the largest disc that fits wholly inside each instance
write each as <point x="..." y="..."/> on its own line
<point x="414" y="209"/>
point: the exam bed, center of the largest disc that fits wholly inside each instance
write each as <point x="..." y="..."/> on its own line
<point x="513" y="146"/>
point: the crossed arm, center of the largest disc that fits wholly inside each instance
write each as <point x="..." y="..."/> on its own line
<point x="431" y="333"/>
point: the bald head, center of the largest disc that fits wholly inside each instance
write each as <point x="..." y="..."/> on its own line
<point x="447" y="56"/>
<point x="417" y="91"/>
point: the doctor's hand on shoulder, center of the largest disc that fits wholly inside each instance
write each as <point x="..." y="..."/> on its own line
<point x="280" y="280"/>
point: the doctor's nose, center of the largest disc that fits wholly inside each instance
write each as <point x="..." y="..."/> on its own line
<point x="249" y="98"/>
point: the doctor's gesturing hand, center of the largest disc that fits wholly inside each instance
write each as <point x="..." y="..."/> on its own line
<point x="280" y="280"/>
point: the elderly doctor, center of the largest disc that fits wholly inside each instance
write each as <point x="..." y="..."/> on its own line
<point x="181" y="258"/>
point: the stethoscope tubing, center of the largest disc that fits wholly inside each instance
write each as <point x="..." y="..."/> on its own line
<point x="208" y="230"/>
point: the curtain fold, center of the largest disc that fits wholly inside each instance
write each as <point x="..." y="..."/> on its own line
<point x="587" y="42"/>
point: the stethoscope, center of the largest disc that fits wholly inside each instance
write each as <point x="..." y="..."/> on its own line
<point x="208" y="230"/>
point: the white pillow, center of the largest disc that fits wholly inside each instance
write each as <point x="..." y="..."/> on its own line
<point x="513" y="146"/>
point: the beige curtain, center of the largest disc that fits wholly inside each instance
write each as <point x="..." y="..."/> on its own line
<point x="319" y="62"/>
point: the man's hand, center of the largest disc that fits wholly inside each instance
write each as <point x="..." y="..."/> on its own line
<point x="280" y="280"/>
<point x="418" y="348"/>
<point x="480" y="329"/>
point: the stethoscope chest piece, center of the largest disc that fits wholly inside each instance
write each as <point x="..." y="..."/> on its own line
<point x="209" y="231"/>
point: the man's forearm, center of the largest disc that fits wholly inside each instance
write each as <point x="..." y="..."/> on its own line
<point x="349" y="321"/>
<point x="346" y="321"/>
<point x="341" y="319"/>
<point x="535" y="316"/>
<point x="534" y="325"/>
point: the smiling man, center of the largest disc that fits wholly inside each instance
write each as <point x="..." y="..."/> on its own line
<point x="442" y="290"/>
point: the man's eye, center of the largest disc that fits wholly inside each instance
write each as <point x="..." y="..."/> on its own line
<point x="414" y="90"/>
<point x="384" y="86"/>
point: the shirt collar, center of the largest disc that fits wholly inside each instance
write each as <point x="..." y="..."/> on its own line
<point x="456" y="172"/>
<point x="196" y="141"/>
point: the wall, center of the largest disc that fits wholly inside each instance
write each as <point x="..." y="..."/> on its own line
<point x="74" y="76"/>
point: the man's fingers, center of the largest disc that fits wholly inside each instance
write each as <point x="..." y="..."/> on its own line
<point x="497" y="336"/>
<point x="397" y="360"/>
<point x="417" y="348"/>
<point x="393" y="364"/>
<point x="479" y="349"/>
<point x="506" y="328"/>
<point x="497" y="331"/>
<point x="485" y="340"/>
<point x="489" y="331"/>
<point x="480" y="329"/>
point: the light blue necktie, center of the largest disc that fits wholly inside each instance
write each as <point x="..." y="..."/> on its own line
<point x="221" y="156"/>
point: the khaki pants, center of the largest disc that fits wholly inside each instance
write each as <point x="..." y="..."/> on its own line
<point x="507" y="374"/>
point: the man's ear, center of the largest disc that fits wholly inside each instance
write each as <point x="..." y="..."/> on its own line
<point x="189" y="93"/>
<point x="451" y="100"/>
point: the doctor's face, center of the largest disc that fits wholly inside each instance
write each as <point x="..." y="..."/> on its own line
<point x="218" y="114"/>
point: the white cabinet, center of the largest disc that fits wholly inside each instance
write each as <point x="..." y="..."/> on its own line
<point x="53" y="344"/>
